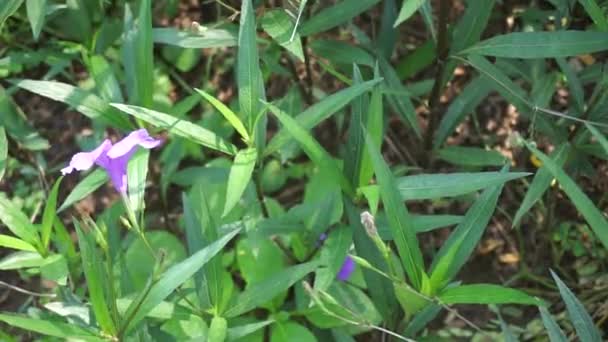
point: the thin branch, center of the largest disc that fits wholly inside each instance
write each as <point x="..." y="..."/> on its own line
<point x="27" y="292"/>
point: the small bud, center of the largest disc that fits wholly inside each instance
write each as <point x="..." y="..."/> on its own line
<point x="367" y="220"/>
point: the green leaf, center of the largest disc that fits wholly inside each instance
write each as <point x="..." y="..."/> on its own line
<point x="287" y="331"/>
<point x="312" y="148"/>
<point x="340" y="52"/>
<point x="137" y="55"/>
<point x="401" y="103"/>
<point x="86" y="103"/>
<point x="85" y="187"/>
<point x="355" y="143"/>
<point x="182" y="128"/>
<point x="279" y="26"/>
<point x="583" y="323"/>
<point x="36" y="12"/>
<point x="92" y="264"/>
<point x="486" y="294"/>
<point x="585" y="206"/>
<point x="541" y="182"/>
<point x="438" y="185"/>
<point x="16" y="221"/>
<point x="239" y="177"/>
<point x="471" y="156"/>
<point x="55" y="268"/>
<point x="333" y="254"/>
<point x="231" y="116"/>
<point x="238" y="332"/>
<point x="541" y="44"/>
<point x="320" y="111"/>
<point x="137" y="171"/>
<point x="407" y="10"/>
<point x="574" y="84"/>
<point x="7" y="8"/>
<point x="205" y="38"/>
<point x="17" y="126"/>
<point x="105" y="80"/>
<point x="335" y="15"/>
<point x="599" y="136"/>
<point x="8" y="241"/>
<point x="399" y="219"/>
<point x="3" y="152"/>
<point x="176" y="275"/>
<point x="21" y="259"/>
<point x="49" y="215"/>
<point x="264" y="291"/>
<point x="553" y="330"/>
<point x="218" y="329"/>
<point x="50" y="327"/>
<point x="596" y="13"/>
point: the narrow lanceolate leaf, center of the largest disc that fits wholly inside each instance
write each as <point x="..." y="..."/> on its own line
<point x="267" y="289"/>
<point x="49" y="215"/>
<point x="596" y="13"/>
<point x="312" y="148"/>
<point x="585" y="206"/>
<point x="399" y="219"/>
<point x="401" y="103"/>
<point x="471" y="156"/>
<point x="207" y="38"/>
<point x="16" y="221"/>
<point x="92" y="264"/>
<point x="541" y="44"/>
<point x="50" y="327"/>
<point x="86" y="103"/>
<point x="356" y="138"/>
<point x="241" y="331"/>
<point x="596" y="133"/>
<point x="231" y="116"/>
<point x="7" y="8"/>
<point x="183" y="128"/>
<point x="585" y="329"/>
<point x="320" y="111"/>
<point x="36" y="12"/>
<point x="471" y="25"/>
<point x="335" y="15"/>
<point x="553" y="330"/>
<point x="249" y="77"/>
<point x="463" y="239"/>
<point x="137" y="171"/>
<point x="90" y="183"/>
<point x="279" y="26"/>
<point x="407" y="10"/>
<point x="176" y="275"/>
<point x="8" y="241"/>
<point x="486" y="294"/>
<point x="541" y="182"/>
<point x="137" y="54"/>
<point x="333" y="253"/>
<point x="3" y="151"/>
<point x="105" y="79"/>
<point x="431" y="186"/>
<point x="239" y="177"/>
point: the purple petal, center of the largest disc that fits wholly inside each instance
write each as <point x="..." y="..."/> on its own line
<point x="85" y="160"/>
<point x="128" y="144"/>
<point x="347" y="269"/>
<point x="117" y="169"/>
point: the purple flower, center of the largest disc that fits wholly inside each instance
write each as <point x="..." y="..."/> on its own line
<point x="347" y="269"/>
<point x="113" y="157"/>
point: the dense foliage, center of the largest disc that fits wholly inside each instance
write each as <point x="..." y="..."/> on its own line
<point x="371" y="170"/>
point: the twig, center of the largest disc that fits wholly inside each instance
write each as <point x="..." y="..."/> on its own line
<point x="27" y="292"/>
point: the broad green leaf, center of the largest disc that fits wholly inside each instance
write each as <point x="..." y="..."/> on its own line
<point x="599" y="136"/>
<point x="333" y="254"/>
<point x="7" y="8"/>
<point x="205" y="38"/>
<point x="85" y="187"/>
<point x="461" y="243"/>
<point x="105" y="81"/>
<point x="218" y="329"/>
<point x="401" y="103"/>
<point x="583" y="323"/>
<point x="21" y="259"/>
<point x="553" y="330"/>
<point x="16" y="221"/>
<point x="55" y="268"/>
<point x="92" y="264"/>
<point x="3" y="151"/>
<point x="585" y="206"/>
<point x="407" y="10"/>
<point x="231" y="116"/>
<point x="291" y="331"/>
<point x="486" y="294"/>
<point x="278" y="25"/>
<point x="320" y="111"/>
<point x="264" y="291"/>
<point x="86" y="103"/>
<point x="471" y="156"/>
<point x="239" y="177"/>
<point x="312" y="148"/>
<point x="36" y="12"/>
<point x="437" y="185"/>
<point x="398" y="217"/>
<point x="17" y="126"/>
<point x="137" y="171"/>
<point x="596" y="13"/>
<point x="8" y="241"/>
<point x="340" y="52"/>
<point x="138" y="54"/>
<point x="249" y="77"/>
<point x="50" y="327"/>
<point x="335" y="15"/>
<point x="541" y="182"/>
<point x="183" y="128"/>
<point x="465" y="103"/>
<point x="49" y="215"/>
<point x="238" y="332"/>
<point x="541" y="44"/>
<point x="176" y="275"/>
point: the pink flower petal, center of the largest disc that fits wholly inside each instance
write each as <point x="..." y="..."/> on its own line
<point x="85" y="160"/>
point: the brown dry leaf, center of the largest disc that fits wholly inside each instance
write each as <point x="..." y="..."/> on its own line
<point x="509" y="258"/>
<point x="489" y="245"/>
<point x="587" y="59"/>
